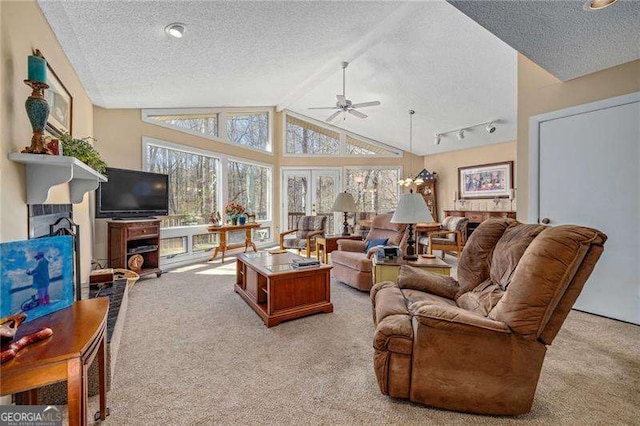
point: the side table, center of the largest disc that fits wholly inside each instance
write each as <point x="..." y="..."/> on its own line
<point x="79" y="335"/>
<point x="329" y="243"/>
<point x="388" y="271"/>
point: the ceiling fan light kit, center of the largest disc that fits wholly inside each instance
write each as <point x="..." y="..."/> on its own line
<point x="344" y="105"/>
<point x="489" y="126"/>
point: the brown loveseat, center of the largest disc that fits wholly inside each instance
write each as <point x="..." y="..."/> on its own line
<point x="477" y="344"/>
<point x="352" y="265"/>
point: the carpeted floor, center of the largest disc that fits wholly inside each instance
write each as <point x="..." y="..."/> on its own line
<point x="193" y="352"/>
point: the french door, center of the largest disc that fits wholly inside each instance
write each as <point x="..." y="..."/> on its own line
<point x="309" y="193"/>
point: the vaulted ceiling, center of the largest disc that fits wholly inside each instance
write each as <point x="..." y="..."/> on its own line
<point x="425" y="56"/>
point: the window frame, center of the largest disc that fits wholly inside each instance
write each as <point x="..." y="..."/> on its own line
<point x="222" y="198"/>
<point x="222" y="123"/>
<point x="396" y="152"/>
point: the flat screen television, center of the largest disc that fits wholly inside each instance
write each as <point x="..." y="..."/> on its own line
<point x="132" y="194"/>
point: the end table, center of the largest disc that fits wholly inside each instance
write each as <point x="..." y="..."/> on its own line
<point x="388" y="271"/>
<point x="329" y="243"/>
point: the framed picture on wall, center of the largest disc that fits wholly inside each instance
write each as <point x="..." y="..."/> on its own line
<point x="486" y="180"/>
<point x="60" y="104"/>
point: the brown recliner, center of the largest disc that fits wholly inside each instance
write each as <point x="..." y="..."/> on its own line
<point x="352" y="265"/>
<point x="477" y="344"/>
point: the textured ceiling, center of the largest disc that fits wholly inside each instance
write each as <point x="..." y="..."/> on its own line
<point x="426" y="56"/>
<point x="563" y="37"/>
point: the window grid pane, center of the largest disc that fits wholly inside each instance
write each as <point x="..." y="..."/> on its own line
<point x="375" y="190"/>
<point x="192" y="184"/>
<point x="248" y="184"/>
<point x="251" y="130"/>
<point x="305" y="138"/>
<point x="207" y="124"/>
<point x="173" y="246"/>
<point x="205" y="242"/>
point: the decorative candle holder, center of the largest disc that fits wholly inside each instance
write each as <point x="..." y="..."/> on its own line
<point x="38" y="112"/>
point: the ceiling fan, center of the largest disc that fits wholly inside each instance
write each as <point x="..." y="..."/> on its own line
<point x="344" y="105"/>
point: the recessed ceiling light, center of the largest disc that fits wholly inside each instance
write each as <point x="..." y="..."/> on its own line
<point x="175" y="30"/>
<point x="600" y="4"/>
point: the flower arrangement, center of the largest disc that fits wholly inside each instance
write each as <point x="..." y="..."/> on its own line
<point x="234" y="209"/>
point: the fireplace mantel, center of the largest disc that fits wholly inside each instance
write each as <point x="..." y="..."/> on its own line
<point x="46" y="171"/>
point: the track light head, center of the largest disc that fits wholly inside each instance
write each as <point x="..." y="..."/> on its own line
<point x="460" y="134"/>
<point x="491" y="127"/>
<point x="436" y="140"/>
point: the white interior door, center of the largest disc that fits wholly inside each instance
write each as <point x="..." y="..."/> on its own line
<point x="589" y="162"/>
<point x="309" y="192"/>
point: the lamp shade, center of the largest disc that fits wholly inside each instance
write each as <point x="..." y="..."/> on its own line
<point x="411" y="209"/>
<point x="344" y="203"/>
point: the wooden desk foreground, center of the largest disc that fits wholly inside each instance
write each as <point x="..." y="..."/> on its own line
<point x="79" y="334"/>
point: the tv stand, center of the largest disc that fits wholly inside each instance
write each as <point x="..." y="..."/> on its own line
<point x="127" y="237"/>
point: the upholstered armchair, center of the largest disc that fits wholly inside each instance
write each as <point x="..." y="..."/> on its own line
<point x="352" y="261"/>
<point x="306" y="231"/>
<point x="476" y="344"/>
<point x="451" y="237"/>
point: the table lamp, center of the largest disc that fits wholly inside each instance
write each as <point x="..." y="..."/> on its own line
<point x="346" y="204"/>
<point x="411" y="209"/>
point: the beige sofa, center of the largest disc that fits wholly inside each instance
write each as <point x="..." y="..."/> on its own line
<point x="352" y="265"/>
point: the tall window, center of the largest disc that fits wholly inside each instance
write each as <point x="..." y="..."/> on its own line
<point x="193" y="184"/>
<point x="249" y="129"/>
<point x="375" y="189"/>
<point x="206" y="124"/>
<point x="306" y="138"/>
<point x="248" y="184"/>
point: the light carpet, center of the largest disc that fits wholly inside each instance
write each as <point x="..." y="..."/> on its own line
<point x="193" y="352"/>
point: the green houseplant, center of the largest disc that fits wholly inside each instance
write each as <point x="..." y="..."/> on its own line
<point x="83" y="151"/>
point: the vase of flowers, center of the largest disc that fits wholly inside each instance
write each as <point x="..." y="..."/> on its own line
<point x="233" y="210"/>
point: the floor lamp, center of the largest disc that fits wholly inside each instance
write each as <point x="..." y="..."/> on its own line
<point x="411" y="209"/>
<point x="346" y="204"/>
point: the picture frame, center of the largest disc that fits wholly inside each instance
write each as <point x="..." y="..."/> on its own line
<point x="60" y="103"/>
<point x="484" y="181"/>
<point x="36" y="276"/>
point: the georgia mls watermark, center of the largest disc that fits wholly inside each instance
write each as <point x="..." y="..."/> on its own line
<point x="30" y="415"/>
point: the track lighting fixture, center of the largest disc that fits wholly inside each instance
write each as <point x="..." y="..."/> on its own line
<point x="489" y="126"/>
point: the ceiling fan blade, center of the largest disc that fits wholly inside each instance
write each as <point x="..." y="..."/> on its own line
<point x="341" y="99"/>
<point x="334" y="115"/>
<point x="365" y="104"/>
<point x="333" y="107"/>
<point x="357" y="113"/>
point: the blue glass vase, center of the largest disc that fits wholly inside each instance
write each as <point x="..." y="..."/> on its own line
<point x="38" y="112"/>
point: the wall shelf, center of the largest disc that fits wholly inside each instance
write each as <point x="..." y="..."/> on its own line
<point x="46" y="171"/>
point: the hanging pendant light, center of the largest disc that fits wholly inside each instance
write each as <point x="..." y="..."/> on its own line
<point x="409" y="180"/>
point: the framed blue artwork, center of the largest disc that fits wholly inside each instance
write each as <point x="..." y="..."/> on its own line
<point x="36" y="276"/>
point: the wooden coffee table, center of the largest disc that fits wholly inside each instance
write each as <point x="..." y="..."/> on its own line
<point x="279" y="292"/>
<point x="388" y="271"/>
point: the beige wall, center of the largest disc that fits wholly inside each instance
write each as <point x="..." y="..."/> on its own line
<point x="24" y="29"/>
<point x="120" y="131"/>
<point x="539" y="92"/>
<point x="446" y="166"/>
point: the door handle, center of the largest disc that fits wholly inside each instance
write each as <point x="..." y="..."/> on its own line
<point x="545" y="220"/>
